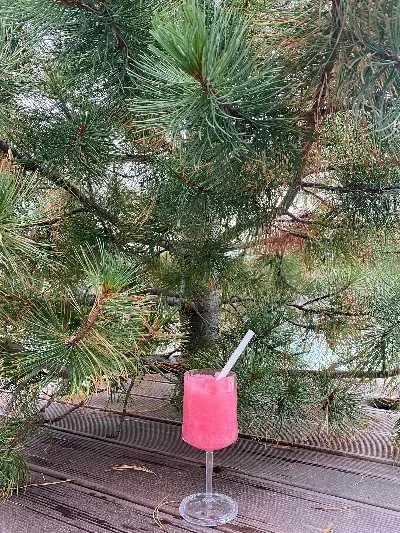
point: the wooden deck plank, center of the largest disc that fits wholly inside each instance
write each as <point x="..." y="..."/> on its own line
<point x="151" y="399"/>
<point x="142" y="430"/>
<point x="140" y="405"/>
<point x="356" y="480"/>
<point x="274" y="511"/>
<point x="72" y="508"/>
<point x="279" y="490"/>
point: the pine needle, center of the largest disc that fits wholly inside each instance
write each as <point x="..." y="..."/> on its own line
<point x="49" y="483"/>
<point x="156" y="512"/>
<point x="122" y="468"/>
<point x="334" y="508"/>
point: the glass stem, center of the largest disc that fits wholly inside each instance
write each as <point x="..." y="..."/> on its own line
<point x="209" y="473"/>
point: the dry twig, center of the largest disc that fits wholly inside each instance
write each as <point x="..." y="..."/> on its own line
<point x="122" y="468"/>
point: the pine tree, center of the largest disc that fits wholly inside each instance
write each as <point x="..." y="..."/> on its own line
<point x="184" y="173"/>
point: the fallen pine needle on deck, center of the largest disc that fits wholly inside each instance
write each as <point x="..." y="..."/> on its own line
<point x="122" y="468"/>
<point x="156" y="512"/>
<point x="49" y="483"/>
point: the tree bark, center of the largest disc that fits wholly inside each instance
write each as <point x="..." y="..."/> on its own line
<point x="203" y="320"/>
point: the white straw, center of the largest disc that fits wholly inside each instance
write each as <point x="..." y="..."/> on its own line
<point x="235" y="356"/>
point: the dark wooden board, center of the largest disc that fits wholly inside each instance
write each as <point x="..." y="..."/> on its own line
<point x="70" y="508"/>
<point x="279" y="490"/>
<point x="355" y="488"/>
<point x="150" y="398"/>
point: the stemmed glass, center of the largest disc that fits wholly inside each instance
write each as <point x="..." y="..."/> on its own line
<point x="209" y="423"/>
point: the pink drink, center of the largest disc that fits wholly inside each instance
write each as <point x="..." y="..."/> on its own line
<point x="209" y="410"/>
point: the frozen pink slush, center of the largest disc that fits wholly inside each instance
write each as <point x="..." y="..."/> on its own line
<point x="209" y="411"/>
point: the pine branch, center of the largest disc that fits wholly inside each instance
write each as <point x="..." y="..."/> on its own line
<point x="317" y="113"/>
<point x="351" y="374"/>
<point x="146" y="339"/>
<point x="320" y="199"/>
<point x="94" y="314"/>
<point x="64" y="415"/>
<point x="294" y="233"/>
<point x="11" y="347"/>
<point x="314" y="116"/>
<point x="297" y="219"/>
<point x="172" y="298"/>
<point x="192" y="184"/>
<point x="127" y="397"/>
<point x="77" y="4"/>
<point x="210" y="90"/>
<point x="387" y="56"/>
<point x="383" y="162"/>
<point x="121" y="43"/>
<point x="359" y="187"/>
<point x="326" y="75"/>
<point x="30" y="424"/>
<point x="289" y="197"/>
<point x="319" y="298"/>
<point x="329" y="401"/>
<point x="17" y="391"/>
<point x="54" y="220"/>
<point x="327" y="312"/>
<point x="32" y="166"/>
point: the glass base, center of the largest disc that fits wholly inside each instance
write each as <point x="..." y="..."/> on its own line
<point x="204" y="510"/>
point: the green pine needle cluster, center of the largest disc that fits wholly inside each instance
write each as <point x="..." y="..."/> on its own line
<point x="205" y="88"/>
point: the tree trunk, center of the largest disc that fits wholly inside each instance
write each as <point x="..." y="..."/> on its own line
<point x="203" y="320"/>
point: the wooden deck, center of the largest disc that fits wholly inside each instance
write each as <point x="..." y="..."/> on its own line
<point x="279" y="488"/>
